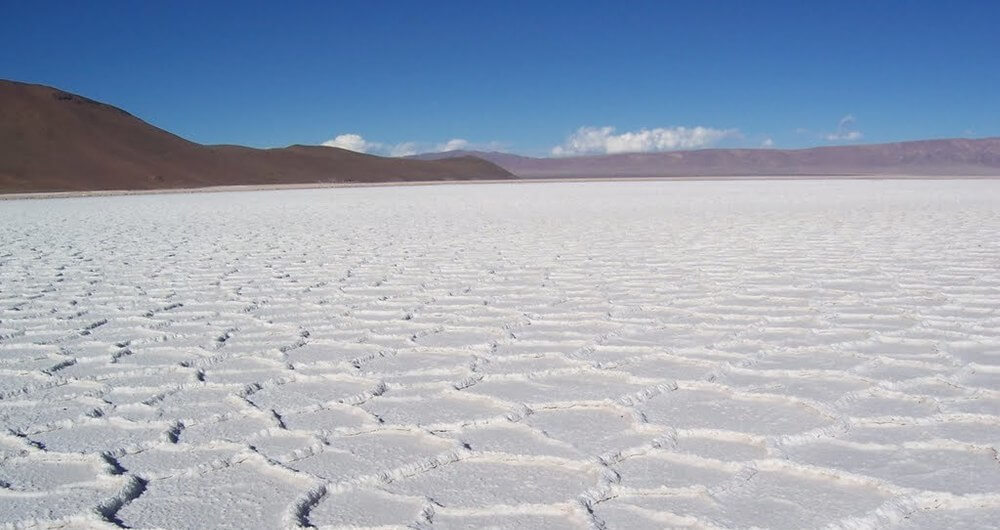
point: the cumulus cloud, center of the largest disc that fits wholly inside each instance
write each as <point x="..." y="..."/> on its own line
<point x="403" y="149"/>
<point x="604" y="140"/>
<point x="845" y="131"/>
<point x="353" y="142"/>
<point x="768" y="142"/>
<point x="356" y="142"/>
<point x="454" y="144"/>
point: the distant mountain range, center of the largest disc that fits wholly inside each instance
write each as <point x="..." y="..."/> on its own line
<point x="951" y="157"/>
<point x="51" y="140"/>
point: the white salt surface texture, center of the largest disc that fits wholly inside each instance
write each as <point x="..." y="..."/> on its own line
<point x="788" y="354"/>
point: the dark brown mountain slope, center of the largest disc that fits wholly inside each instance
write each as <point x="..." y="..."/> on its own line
<point x="52" y="140"/>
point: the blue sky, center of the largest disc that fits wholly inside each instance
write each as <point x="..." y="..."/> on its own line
<point x="526" y="77"/>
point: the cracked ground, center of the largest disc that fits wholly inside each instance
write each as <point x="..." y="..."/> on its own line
<point x="791" y="354"/>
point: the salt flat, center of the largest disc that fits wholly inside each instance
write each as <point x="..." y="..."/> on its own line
<point x="634" y="355"/>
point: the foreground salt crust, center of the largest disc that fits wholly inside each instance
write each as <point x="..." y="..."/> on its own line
<point x="630" y="355"/>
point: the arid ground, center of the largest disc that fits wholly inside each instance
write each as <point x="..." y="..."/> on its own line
<point x="577" y="355"/>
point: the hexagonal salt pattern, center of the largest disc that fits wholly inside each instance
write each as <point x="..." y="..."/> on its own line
<point x="789" y="354"/>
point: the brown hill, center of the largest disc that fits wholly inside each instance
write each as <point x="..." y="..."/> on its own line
<point x="951" y="157"/>
<point x="52" y="140"/>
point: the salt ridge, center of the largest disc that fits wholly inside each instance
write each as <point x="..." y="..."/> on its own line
<point x="574" y="355"/>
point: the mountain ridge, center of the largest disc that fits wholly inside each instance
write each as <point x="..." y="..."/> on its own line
<point x="53" y="140"/>
<point x="935" y="157"/>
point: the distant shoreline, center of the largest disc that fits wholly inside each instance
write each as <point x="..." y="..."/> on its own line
<point x="525" y="180"/>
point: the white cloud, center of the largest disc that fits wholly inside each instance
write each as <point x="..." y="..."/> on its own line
<point x="768" y="142"/>
<point x="454" y="144"/>
<point x="353" y="142"/>
<point x="356" y="142"/>
<point x="603" y="140"/>
<point x="845" y="131"/>
<point x="403" y="149"/>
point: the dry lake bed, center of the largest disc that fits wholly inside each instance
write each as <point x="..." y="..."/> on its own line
<point x="793" y="354"/>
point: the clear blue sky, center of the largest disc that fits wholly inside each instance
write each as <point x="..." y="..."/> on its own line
<point x="523" y="76"/>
